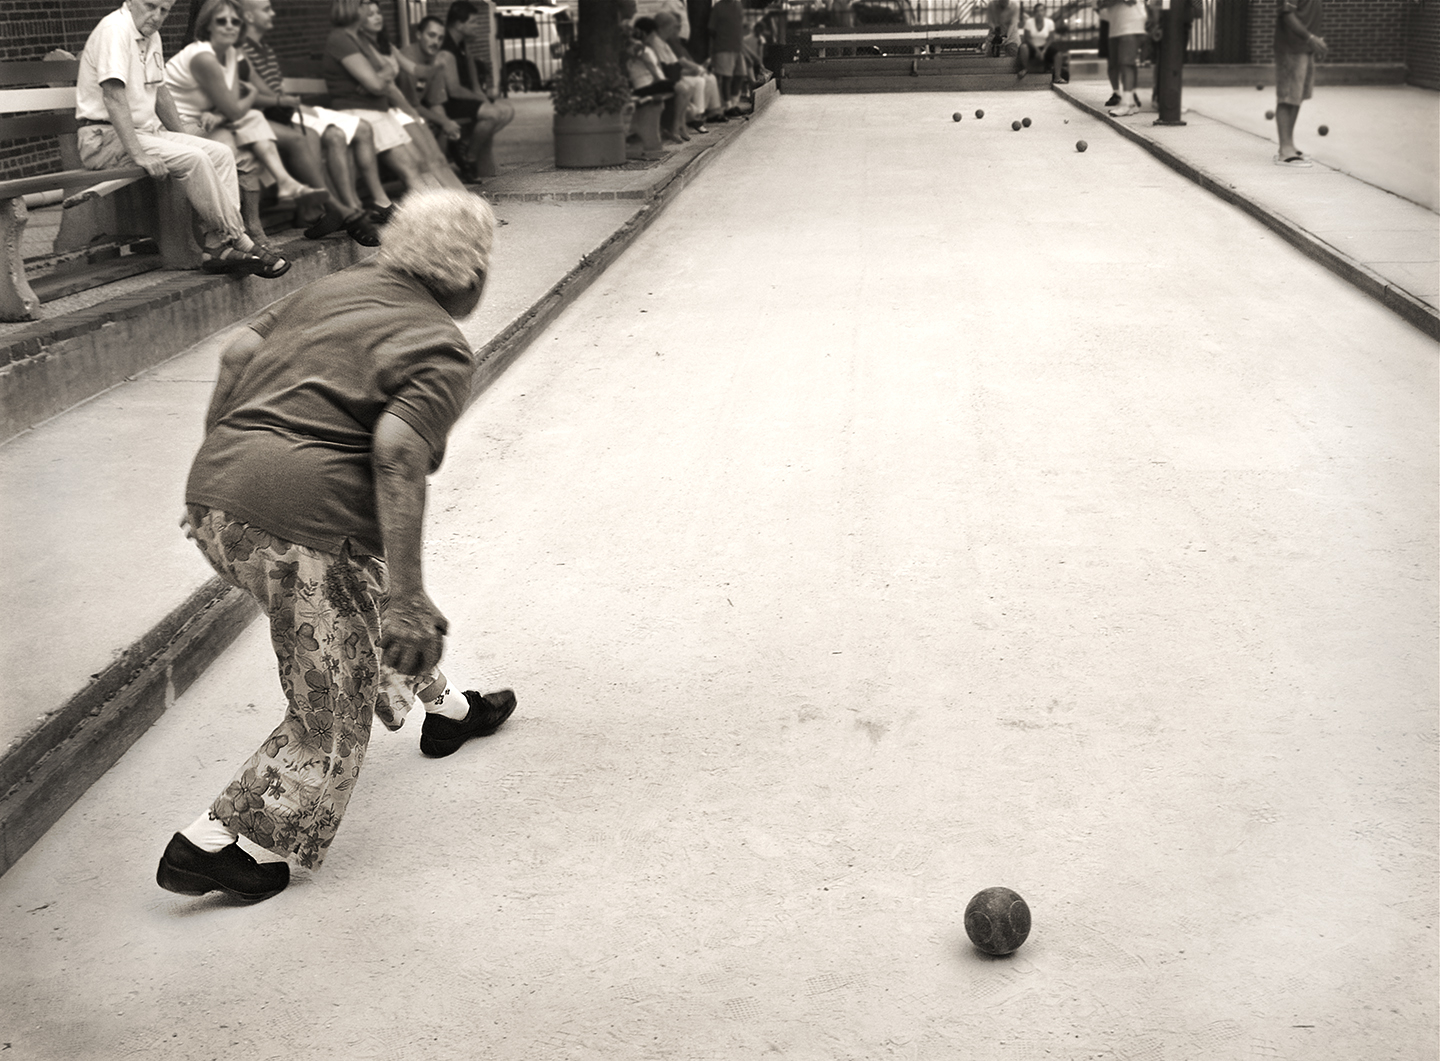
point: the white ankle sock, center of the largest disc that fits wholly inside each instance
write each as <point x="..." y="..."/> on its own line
<point x="452" y="703"/>
<point x="208" y="834"/>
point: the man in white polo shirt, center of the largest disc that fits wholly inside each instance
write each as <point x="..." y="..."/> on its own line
<point x="127" y="117"/>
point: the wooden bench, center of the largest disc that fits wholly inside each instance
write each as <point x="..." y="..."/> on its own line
<point x="106" y="211"/>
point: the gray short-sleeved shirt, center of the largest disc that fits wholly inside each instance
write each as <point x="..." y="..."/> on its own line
<point x="291" y="452"/>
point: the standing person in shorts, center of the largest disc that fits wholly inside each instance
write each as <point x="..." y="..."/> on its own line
<point x="1298" y="46"/>
<point x="1127" y="30"/>
<point x="727" y="55"/>
<point x="308" y="492"/>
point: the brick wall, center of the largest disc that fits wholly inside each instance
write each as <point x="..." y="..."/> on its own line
<point x="1422" y="43"/>
<point x="31" y="28"/>
<point x="1356" y="31"/>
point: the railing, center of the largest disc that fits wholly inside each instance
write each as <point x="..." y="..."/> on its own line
<point x="532" y="42"/>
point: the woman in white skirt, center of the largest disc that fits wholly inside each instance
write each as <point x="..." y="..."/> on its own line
<point x="356" y="79"/>
<point x="203" y="80"/>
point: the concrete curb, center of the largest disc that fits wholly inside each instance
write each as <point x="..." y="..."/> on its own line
<point x="45" y="771"/>
<point x="1395" y="299"/>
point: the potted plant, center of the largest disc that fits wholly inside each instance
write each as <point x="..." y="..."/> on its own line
<point x="592" y="93"/>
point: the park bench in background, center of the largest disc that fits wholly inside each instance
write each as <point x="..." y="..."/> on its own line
<point x="116" y="222"/>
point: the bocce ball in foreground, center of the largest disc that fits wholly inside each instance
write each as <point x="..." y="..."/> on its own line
<point x="1025" y="122"/>
<point x="956" y="116"/>
<point x="979" y="114"/>
<point x="1015" y="126"/>
<point x="997" y="921"/>
<point x="1269" y="115"/>
<point x="1324" y="130"/>
<point x="1081" y="145"/>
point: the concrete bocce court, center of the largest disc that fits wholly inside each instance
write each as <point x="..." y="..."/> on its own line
<point x="121" y="658"/>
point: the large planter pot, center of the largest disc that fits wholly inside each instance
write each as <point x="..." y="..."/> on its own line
<point x="587" y="140"/>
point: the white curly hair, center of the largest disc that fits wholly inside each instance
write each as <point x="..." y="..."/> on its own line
<point x="441" y="237"/>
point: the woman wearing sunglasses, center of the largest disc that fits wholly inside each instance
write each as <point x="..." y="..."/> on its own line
<point x="203" y="78"/>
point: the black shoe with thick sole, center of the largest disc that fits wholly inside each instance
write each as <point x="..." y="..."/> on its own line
<point x="441" y="736"/>
<point x="186" y="869"/>
<point x="1113" y="101"/>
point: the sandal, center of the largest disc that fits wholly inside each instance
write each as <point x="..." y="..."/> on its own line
<point x="381" y="215"/>
<point x="362" y="231"/>
<point x="330" y="222"/>
<point x="1295" y="161"/>
<point x="235" y="262"/>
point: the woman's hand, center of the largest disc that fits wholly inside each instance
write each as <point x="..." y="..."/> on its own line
<point x="210" y="120"/>
<point x="412" y="634"/>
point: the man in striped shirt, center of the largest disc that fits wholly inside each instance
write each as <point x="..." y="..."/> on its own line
<point x="302" y="133"/>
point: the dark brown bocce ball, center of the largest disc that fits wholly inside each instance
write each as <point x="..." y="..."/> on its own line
<point x="997" y="921"/>
<point x="1269" y="115"/>
<point x="979" y="114"/>
<point x="1025" y="122"/>
<point x="956" y="116"/>
<point x="1081" y="145"/>
<point x="1324" y="130"/>
<point x="1015" y="126"/>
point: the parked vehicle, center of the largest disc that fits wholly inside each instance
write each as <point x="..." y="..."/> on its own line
<point x="533" y="39"/>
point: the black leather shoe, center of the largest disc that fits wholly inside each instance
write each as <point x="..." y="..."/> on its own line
<point x="441" y="736"/>
<point x="184" y="868"/>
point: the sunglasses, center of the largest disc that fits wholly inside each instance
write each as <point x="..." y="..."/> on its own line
<point x="226" y="22"/>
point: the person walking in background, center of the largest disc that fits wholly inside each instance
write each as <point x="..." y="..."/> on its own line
<point x="127" y="117"/>
<point x="1298" y="46"/>
<point x="1127" y="30"/>
<point x="308" y="492"/>
<point x="727" y="59"/>
<point x="1112" y="72"/>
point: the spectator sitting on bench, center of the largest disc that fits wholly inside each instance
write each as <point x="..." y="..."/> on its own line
<point x="700" y="84"/>
<point x="426" y="91"/>
<point x="203" y="81"/>
<point x="1003" y="39"/>
<point x="315" y="142"/>
<point x="351" y="68"/>
<point x="464" y="93"/>
<point x="402" y="94"/>
<point x="1035" y="34"/>
<point x="671" y="74"/>
<point x="127" y="117"/>
<point x="647" y="78"/>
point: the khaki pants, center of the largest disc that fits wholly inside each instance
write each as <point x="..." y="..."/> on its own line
<point x="204" y="168"/>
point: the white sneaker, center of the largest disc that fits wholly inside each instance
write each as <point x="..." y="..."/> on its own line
<point x="1124" y="112"/>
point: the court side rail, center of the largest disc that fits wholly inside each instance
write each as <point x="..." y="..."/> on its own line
<point x="1391" y="296"/>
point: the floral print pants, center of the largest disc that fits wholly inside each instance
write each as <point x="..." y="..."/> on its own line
<point x="325" y="615"/>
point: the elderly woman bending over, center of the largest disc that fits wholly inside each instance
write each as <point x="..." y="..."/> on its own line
<point x="308" y="492"/>
<point x="203" y="80"/>
<point x="361" y="82"/>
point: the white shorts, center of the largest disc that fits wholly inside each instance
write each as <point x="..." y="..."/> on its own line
<point x="319" y="119"/>
<point x="388" y="132"/>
